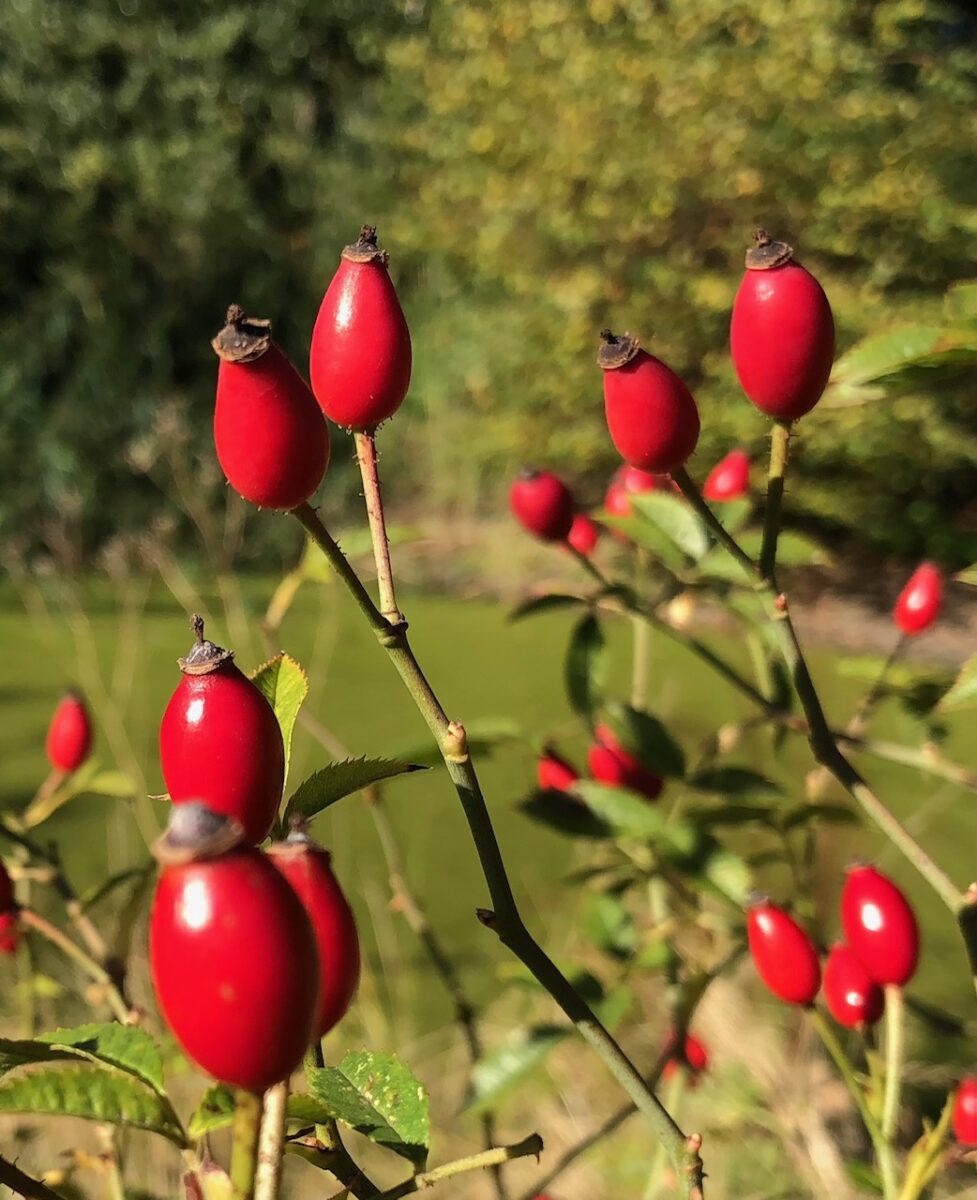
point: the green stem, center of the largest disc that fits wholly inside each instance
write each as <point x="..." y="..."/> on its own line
<point x="533" y="1145"/>
<point x="244" y="1148"/>
<point x="505" y="920"/>
<point x="895" y="1050"/>
<point x="834" y="1047"/>
<point x="776" y="475"/>
<point x="95" y="971"/>
<point x="271" y="1142"/>
<point x="640" y="644"/>
<point x="366" y="456"/>
<point x="673" y="1100"/>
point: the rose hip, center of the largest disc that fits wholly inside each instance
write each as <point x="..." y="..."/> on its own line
<point x="694" y="1056"/>
<point x="783" y="954"/>
<point x="543" y="505"/>
<point x="69" y="736"/>
<point x="879" y="926"/>
<point x="609" y="762"/>
<point x="729" y="479"/>
<point x="782" y="333"/>
<point x="920" y="600"/>
<point x="360" y="359"/>
<point x="554" y="774"/>
<point x="584" y="534"/>
<point x="853" y="997"/>
<point x="651" y="414"/>
<point x="965" y="1112"/>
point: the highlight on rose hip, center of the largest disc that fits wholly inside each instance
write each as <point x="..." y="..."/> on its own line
<point x="751" y="965"/>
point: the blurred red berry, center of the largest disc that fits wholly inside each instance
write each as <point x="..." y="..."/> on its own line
<point x="9" y="933"/>
<point x="542" y="504"/>
<point x="782" y="333"/>
<point x="920" y="600"/>
<point x="730" y="477"/>
<point x="584" y="534"/>
<point x="965" y="1112"/>
<point x="784" y="955"/>
<point x="609" y="762"/>
<point x="695" y="1058"/>
<point x="554" y="774"/>
<point x="69" y="736"/>
<point x="651" y="414"/>
<point x="879" y="925"/>
<point x="853" y="997"/>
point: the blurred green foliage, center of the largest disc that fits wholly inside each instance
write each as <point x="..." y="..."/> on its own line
<point x="539" y="168"/>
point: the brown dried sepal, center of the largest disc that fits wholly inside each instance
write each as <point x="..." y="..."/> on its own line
<point x="196" y="832"/>
<point x="765" y="253"/>
<point x="365" y="249"/>
<point x="616" y="349"/>
<point x="203" y="656"/>
<point x="243" y="339"/>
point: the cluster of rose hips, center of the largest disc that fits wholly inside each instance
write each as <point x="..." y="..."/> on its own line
<point x="254" y="954"/>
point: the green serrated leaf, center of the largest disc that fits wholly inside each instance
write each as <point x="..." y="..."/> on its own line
<point x="726" y="871"/>
<point x="963" y="694"/>
<point x="216" y="1111"/>
<point x="285" y="685"/>
<point x="338" y="779"/>
<point x="827" y="814"/>
<point x="544" y="604"/>
<point x="565" y="814"/>
<point x="734" y="514"/>
<point x="675" y="519"/>
<point x="484" y="735"/>
<point x="379" y="1097"/>
<point x="731" y="781"/>
<point x="631" y="815"/>
<point x="609" y="925"/>
<point x="648" y="740"/>
<point x="94" y="1094"/>
<point x="585" y="669"/>
<point x="497" y="1072"/>
<point x="649" y="537"/>
<point x="126" y="1047"/>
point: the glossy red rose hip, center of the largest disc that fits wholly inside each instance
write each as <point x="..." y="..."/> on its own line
<point x="554" y="774"/>
<point x="235" y="968"/>
<point x="784" y="955"/>
<point x="853" y="997"/>
<point x="543" y="505"/>
<point x="965" y="1112"/>
<point x="879" y="926"/>
<point x="584" y="534"/>
<point x="651" y="414"/>
<point x="920" y="601"/>
<point x="729" y="479"/>
<point x="360" y="358"/>
<point x="220" y="741"/>
<point x="271" y="440"/>
<point x="308" y="868"/>
<point x="69" y="736"/>
<point x="782" y="333"/>
<point x="609" y="762"/>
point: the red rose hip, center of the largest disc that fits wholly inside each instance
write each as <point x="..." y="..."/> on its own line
<point x="234" y="967"/>
<point x="554" y="774"/>
<point x="965" y="1112"/>
<point x="308" y="868"/>
<point x="853" y="997"/>
<point x="782" y="333"/>
<point x="729" y="479"/>
<point x="69" y="736"/>
<point x="784" y="955"/>
<point x="543" y="505"/>
<point x="360" y="359"/>
<point x="695" y="1057"/>
<point x="220" y="741"/>
<point x="271" y="440"/>
<point x="879" y="926"/>
<point x="920" y="600"/>
<point x="609" y="762"/>
<point x="651" y="414"/>
<point x="584" y="534"/>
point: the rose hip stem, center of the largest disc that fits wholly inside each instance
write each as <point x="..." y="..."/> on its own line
<point x="244" y="1149"/>
<point x="366" y="456"/>
<point x="506" y="919"/>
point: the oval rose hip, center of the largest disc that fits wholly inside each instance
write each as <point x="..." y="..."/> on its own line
<point x="879" y="926"/>
<point x="584" y="534"/>
<point x="360" y="358"/>
<point x="220" y="741"/>
<point x="69" y="736"/>
<point x="729" y="479"/>
<point x="651" y="414"/>
<point x="554" y="774"/>
<point x="782" y="333"/>
<point x="965" y="1112"/>
<point x="234" y="966"/>
<point x="853" y="997"/>
<point x="543" y="505"/>
<point x="609" y="762"/>
<point x="920" y="600"/>
<point x="271" y="440"/>
<point x="783" y="954"/>
<point x="308" y="868"/>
